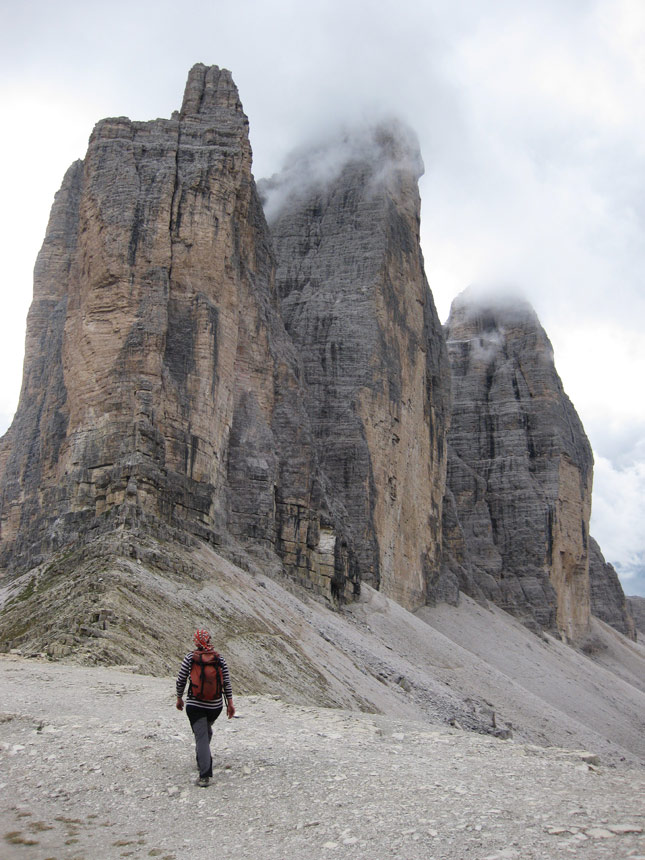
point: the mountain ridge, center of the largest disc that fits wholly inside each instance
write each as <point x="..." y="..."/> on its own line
<point x="211" y="398"/>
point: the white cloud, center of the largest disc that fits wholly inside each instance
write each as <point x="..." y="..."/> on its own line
<point x="385" y="143"/>
<point x="617" y="520"/>
<point x="35" y="161"/>
<point x="603" y="364"/>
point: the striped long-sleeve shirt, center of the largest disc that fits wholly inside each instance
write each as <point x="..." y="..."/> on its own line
<point x="184" y="675"/>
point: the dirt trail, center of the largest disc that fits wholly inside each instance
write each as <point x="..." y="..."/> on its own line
<point x="98" y="763"/>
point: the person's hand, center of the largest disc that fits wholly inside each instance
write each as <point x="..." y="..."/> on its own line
<point x="230" y="710"/>
<point x="180" y="703"/>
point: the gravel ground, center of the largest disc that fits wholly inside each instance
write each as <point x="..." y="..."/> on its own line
<point x="97" y="763"/>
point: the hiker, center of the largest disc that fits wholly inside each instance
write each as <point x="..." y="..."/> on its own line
<point x="209" y="679"/>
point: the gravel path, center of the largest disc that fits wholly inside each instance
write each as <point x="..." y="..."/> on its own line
<point x="98" y="763"/>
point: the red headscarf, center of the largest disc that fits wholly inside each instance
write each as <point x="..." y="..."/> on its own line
<point x="202" y="639"/>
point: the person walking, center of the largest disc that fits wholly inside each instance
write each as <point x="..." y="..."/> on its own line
<point x="209" y="685"/>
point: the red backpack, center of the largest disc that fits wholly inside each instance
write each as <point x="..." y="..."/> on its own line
<point x="206" y="676"/>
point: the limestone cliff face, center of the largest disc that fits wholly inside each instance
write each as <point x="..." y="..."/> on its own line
<point x="345" y="223"/>
<point x="520" y="470"/>
<point x="159" y="382"/>
<point x="608" y="601"/>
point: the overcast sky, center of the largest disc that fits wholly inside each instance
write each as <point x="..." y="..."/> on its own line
<point x="532" y="129"/>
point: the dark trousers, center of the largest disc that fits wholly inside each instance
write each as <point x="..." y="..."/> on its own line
<point x="201" y="722"/>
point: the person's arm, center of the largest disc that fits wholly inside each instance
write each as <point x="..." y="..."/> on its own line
<point x="228" y="690"/>
<point x="182" y="677"/>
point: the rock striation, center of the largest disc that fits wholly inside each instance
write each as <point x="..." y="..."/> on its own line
<point x="160" y="386"/>
<point x="344" y="218"/>
<point x="519" y="470"/>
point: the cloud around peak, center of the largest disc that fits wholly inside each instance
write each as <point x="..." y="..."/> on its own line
<point x="383" y="147"/>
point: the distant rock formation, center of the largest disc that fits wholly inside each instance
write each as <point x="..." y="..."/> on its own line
<point x="608" y="601"/>
<point x="636" y="607"/>
<point x="345" y="222"/>
<point x="519" y="472"/>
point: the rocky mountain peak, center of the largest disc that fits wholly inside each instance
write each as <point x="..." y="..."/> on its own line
<point x="491" y="310"/>
<point x="344" y="220"/>
<point x="520" y="468"/>
<point x="207" y="89"/>
<point x="156" y="360"/>
<point x="385" y="155"/>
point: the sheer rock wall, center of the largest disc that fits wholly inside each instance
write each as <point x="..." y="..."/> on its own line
<point x="159" y="382"/>
<point x="355" y="300"/>
<point x="520" y="470"/>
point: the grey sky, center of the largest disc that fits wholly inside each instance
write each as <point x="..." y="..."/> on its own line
<point x="531" y="126"/>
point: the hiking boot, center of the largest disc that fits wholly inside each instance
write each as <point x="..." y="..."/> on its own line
<point x="204" y="781"/>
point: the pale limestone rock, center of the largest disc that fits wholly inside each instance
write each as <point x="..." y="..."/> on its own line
<point x="600" y="833"/>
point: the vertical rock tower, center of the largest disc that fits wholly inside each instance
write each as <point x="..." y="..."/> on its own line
<point x="159" y="382"/>
<point x="345" y="222"/>
<point x="520" y="469"/>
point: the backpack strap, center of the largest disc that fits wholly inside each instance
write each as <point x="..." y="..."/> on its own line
<point x="220" y="673"/>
